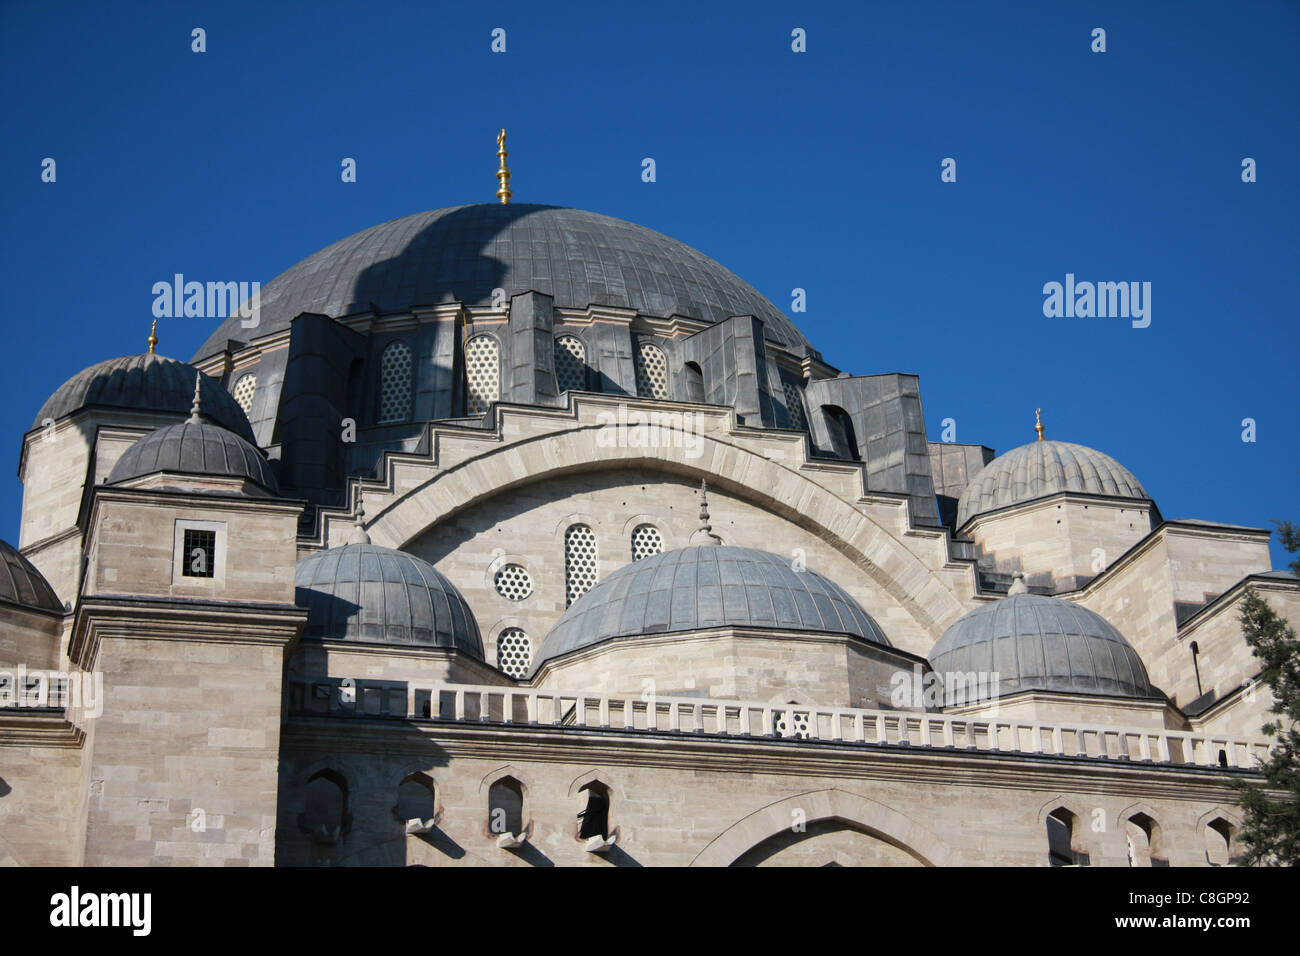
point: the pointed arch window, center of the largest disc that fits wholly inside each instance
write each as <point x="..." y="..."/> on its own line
<point x="579" y="561"/>
<point x="395" y="379"/>
<point x="482" y="374"/>
<point x="570" y="364"/>
<point x="651" y="371"/>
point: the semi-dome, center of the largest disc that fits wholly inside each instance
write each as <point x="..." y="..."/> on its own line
<point x="1044" y="468"/>
<point x="708" y="586"/>
<point x="373" y="595"/>
<point x="146" y="382"/>
<point x="195" y="448"/>
<point x="463" y="253"/>
<point x="23" y="585"/>
<point x="1038" y="643"/>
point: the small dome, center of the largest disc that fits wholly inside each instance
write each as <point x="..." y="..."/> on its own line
<point x="145" y="382"/>
<point x="194" y="448"/>
<point x="374" y="595"/>
<point x="1042" y="643"/>
<point x="1044" y="468"/>
<point x="708" y="586"/>
<point x="23" y="585"/>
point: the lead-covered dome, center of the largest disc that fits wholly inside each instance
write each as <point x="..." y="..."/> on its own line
<point x="1038" y="643"/>
<point x="146" y="382"/>
<point x="374" y="595"/>
<point x="463" y="253"/>
<point x="22" y="585"/>
<point x="1044" y="468"/>
<point x="195" y="448"/>
<point x="708" y="586"/>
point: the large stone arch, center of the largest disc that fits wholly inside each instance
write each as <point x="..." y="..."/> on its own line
<point x="742" y="472"/>
<point x="831" y="804"/>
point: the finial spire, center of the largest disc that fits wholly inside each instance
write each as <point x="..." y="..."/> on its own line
<point x="359" y="533"/>
<point x="704" y="533"/>
<point x="1038" y="422"/>
<point x="153" y="336"/>
<point x="1018" y="585"/>
<point x="503" y="174"/>
<point x="195" y="411"/>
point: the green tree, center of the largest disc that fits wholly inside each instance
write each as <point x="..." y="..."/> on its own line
<point x="1271" y="831"/>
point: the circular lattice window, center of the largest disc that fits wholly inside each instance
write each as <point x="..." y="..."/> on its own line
<point x="570" y="364"/>
<point x="395" y="383"/>
<point x="793" y="402"/>
<point x="579" y="561"/>
<point x="244" y="390"/>
<point x="514" y="652"/>
<point x="646" y="540"/>
<point x="513" y="583"/>
<point x="482" y="374"/>
<point x="651" y="371"/>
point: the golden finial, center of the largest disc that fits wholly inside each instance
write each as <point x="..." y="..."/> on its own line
<point x="153" y="336"/>
<point x="1038" y="422"/>
<point x="503" y="174"/>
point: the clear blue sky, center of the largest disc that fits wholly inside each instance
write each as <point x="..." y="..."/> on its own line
<point x="817" y="170"/>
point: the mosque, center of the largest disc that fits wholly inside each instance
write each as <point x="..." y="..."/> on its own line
<point x="518" y="535"/>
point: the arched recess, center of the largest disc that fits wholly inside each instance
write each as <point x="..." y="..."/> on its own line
<point x="762" y="482"/>
<point x="874" y="818"/>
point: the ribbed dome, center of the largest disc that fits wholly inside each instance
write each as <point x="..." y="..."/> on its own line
<point x="22" y="584"/>
<point x="374" y="595"/>
<point x="463" y="253"/>
<point x="1042" y="643"/>
<point x="708" y="586"/>
<point x="1044" y="468"/>
<point x="194" y="449"/>
<point x="147" y="383"/>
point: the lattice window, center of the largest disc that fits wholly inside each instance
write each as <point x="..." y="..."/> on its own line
<point x="482" y="374"/>
<point x="651" y="371"/>
<point x="579" y="561"/>
<point x="646" y="540"/>
<point x="570" y="364"/>
<point x="784" y="727"/>
<point x="244" y="389"/>
<point x="395" y="369"/>
<point x="514" y="652"/>
<point x="200" y="554"/>
<point x="513" y="582"/>
<point x="794" y="402"/>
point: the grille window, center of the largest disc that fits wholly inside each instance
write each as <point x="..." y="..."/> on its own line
<point x="651" y="371"/>
<point x="579" y="561"/>
<point x="646" y="540"/>
<point x="395" y="383"/>
<point x="514" y="652"/>
<point x="200" y="553"/>
<point x="513" y="582"/>
<point x="570" y="364"/>
<point x="482" y="374"/>
<point x="794" y="403"/>
<point x="244" y="389"/>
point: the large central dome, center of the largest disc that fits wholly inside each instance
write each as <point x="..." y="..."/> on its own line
<point x="464" y="252"/>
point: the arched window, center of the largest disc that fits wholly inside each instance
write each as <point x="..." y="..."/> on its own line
<point x="395" y="383"/>
<point x="594" y="819"/>
<point x="570" y="364"/>
<point x="506" y="808"/>
<point x="416" y="799"/>
<point x="482" y="374"/>
<point x="646" y="540"/>
<point x="579" y="562"/>
<point x="844" y="439"/>
<point x="694" y="382"/>
<point x="514" y="652"/>
<point x="325" y="806"/>
<point x="244" y="390"/>
<point x="1219" y="835"/>
<point x="1063" y="839"/>
<point x="1145" y="841"/>
<point x="651" y="371"/>
<point x="794" y="403"/>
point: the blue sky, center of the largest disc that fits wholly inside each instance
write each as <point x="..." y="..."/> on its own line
<point x="818" y="170"/>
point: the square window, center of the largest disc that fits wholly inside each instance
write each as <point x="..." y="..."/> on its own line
<point x="200" y="554"/>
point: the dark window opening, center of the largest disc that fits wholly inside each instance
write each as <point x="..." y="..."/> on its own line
<point x="506" y="807"/>
<point x="595" y="818"/>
